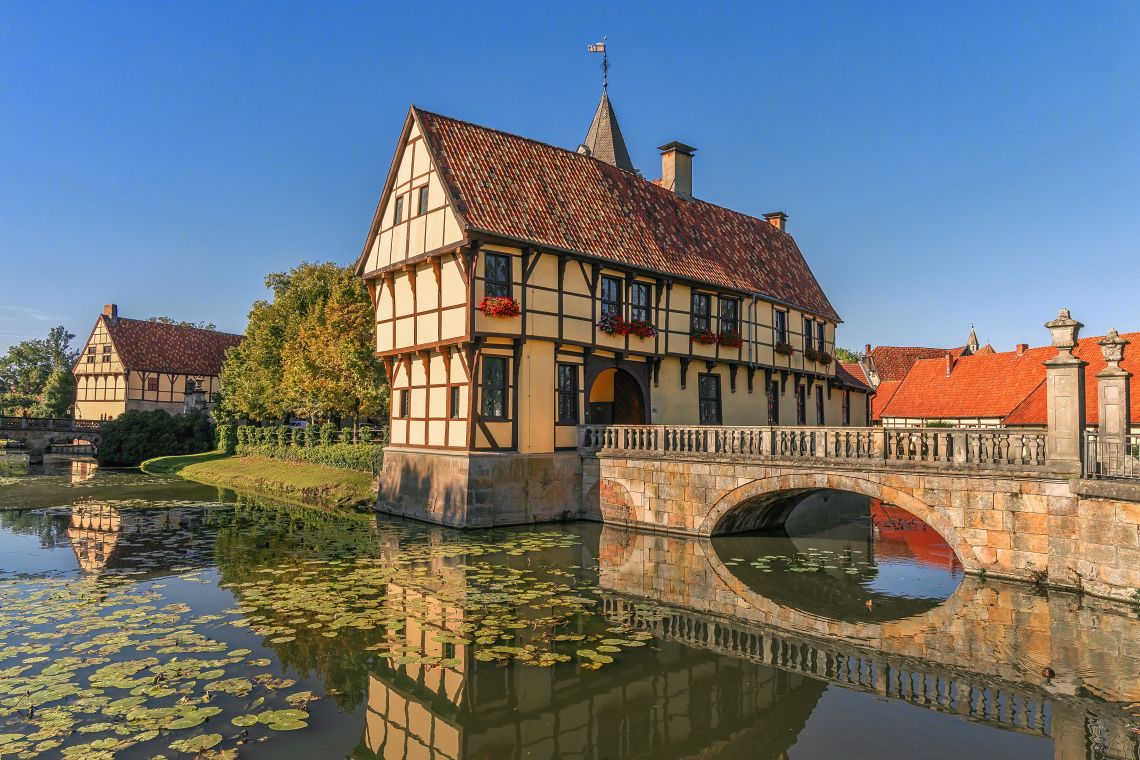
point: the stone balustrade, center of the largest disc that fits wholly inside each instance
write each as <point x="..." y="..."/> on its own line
<point x="47" y="423"/>
<point x="944" y="448"/>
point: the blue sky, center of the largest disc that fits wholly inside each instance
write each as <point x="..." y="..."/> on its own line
<point x="941" y="164"/>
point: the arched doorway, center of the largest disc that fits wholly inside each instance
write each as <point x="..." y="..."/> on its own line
<point x="616" y="398"/>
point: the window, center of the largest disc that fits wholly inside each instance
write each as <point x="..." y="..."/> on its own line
<point x="730" y="316"/>
<point x="497" y="275"/>
<point x="567" y="394"/>
<point x="819" y="406"/>
<point x="152" y="384"/>
<point x="781" y="327"/>
<point x="611" y="296"/>
<point x="405" y="404"/>
<point x="846" y="407"/>
<point x="819" y="327"/>
<point x="423" y="198"/>
<point x="639" y="302"/>
<point x="453" y="403"/>
<point x="774" y="403"/>
<point x="495" y="387"/>
<point x="106" y="353"/>
<point x="809" y="334"/>
<point x="398" y="212"/>
<point x="708" y="387"/>
<point x="91" y="354"/>
<point x="700" y="311"/>
<point x="801" y="405"/>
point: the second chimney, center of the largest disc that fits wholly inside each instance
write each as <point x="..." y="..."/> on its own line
<point x="777" y="219"/>
<point x="111" y="310"/>
<point x="1022" y="348"/>
<point x="677" y="168"/>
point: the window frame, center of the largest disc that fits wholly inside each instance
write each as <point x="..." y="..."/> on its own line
<point x="730" y="324"/>
<point x="819" y="407"/>
<point x="488" y="391"/>
<point x="152" y="384"/>
<point x="398" y="210"/>
<point x="809" y="333"/>
<point x="801" y="405"/>
<point x="405" y="399"/>
<point x="638" y="311"/>
<point x="702" y="319"/>
<point x="454" y="403"/>
<point x="422" y="201"/>
<point x="820" y="335"/>
<point x="846" y="408"/>
<point x="773" y="393"/>
<point x="561" y="393"/>
<point x="496" y="287"/>
<point x="780" y="325"/>
<point x="703" y="400"/>
<point x="610" y="296"/>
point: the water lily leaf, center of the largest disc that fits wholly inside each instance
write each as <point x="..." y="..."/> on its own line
<point x="196" y="743"/>
<point x="244" y="721"/>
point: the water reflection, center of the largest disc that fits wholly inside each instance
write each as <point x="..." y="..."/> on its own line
<point x="395" y="626"/>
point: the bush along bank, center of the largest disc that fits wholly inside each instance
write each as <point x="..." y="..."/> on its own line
<point x="325" y="445"/>
<point x="136" y="435"/>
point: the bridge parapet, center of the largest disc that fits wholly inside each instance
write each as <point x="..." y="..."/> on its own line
<point x="947" y="449"/>
<point x="47" y="423"/>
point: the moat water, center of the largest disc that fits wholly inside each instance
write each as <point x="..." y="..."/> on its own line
<point x="144" y="616"/>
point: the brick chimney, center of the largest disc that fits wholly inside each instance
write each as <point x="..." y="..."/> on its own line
<point x="777" y="219"/>
<point x="111" y="310"/>
<point x="677" y="168"/>
<point x="1022" y="348"/>
<point x="950" y="362"/>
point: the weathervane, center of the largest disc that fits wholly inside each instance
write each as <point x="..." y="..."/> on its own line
<point x="600" y="47"/>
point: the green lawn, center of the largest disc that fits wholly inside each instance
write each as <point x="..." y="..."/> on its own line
<point x="301" y="482"/>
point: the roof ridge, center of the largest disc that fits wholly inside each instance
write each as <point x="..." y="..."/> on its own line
<point x="175" y="326"/>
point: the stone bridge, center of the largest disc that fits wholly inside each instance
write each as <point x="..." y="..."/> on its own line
<point x="981" y="654"/>
<point x="996" y="497"/>
<point x="40" y="434"/>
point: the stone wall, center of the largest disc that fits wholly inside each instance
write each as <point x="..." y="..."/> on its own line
<point x="1027" y="528"/>
<point x="479" y="490"/>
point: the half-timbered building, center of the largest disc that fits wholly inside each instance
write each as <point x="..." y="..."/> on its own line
<point x="522" y="290"/>
<point x="139" y="364"/>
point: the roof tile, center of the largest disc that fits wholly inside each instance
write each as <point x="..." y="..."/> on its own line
<point x="156" y="347"/>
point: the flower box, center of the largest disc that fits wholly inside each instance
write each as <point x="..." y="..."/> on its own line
<point x="612" y="324"/>
<point x="784" y="348"/>
<point x="705" y="337"/>
<point x="730" y="339"/>
<point x="823" y="358"/>
<point x="811" y="354"/>
<point x="499" y="306"/>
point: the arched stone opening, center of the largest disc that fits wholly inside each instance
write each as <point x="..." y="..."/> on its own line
<point x="617" y="397"/>
<point x="767" y="503"/>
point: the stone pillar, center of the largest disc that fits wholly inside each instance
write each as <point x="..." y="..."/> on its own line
<point x="1112" y="406"/>
<point x="1065" y="390"/>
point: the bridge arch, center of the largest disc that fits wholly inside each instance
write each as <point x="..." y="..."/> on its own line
<point x="767" y="500"/>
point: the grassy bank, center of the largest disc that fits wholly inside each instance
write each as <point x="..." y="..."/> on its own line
<point x="300" y="482"/>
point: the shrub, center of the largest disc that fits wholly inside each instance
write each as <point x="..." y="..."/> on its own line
<point x="280" y="435"/>
<point x="328" y="434"/>
<point x="137" y="435"/>
<point x="347" y="456"/>
<point x="228" y="437"/>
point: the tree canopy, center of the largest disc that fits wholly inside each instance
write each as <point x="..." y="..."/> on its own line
<point x="169" y="321"/>
<point x="308" y="353"/>
<point x="846" y="354"/>
<point x="35" y="376"/>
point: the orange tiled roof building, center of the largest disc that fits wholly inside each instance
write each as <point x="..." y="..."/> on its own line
<point x="522" y="290"/>
<point x="139" y="364"/>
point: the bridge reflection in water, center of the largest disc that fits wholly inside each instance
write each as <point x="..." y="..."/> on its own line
<point x="735" y="673"/>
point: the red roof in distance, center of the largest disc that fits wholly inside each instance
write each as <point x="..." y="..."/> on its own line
<point x="156" y="347"/>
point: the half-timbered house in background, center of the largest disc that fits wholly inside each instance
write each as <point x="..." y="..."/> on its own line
<point x="522" y="290"/>
<point x="139" y="364"/>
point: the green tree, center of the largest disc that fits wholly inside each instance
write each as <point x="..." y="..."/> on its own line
<point x="169" y="321"/>
<point x="308" y="352"/>
<point x="845" y="355"/>
<point x="33" y="369"/>
<point x="138" y="435"/>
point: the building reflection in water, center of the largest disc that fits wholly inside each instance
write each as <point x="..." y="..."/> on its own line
<point x="106" y="538"/>
<point x="83" y="470"/>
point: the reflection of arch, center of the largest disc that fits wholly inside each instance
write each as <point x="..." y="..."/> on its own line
<point x="617" y="394"/>
<point x="767" y="499"/>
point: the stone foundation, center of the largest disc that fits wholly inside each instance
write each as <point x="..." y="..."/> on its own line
<point x="480" y="490"/>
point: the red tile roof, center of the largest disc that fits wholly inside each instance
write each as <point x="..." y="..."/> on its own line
<point x="518" y="188"/>
<point x="882" y="397"/>
<point x="893" y="362"/>
<point x="1006" y="385"/>
<point x="852" y="373"/>
<point x="156" y="347"/>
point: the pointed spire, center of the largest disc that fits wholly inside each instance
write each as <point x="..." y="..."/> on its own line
<point x="604" y="140"/>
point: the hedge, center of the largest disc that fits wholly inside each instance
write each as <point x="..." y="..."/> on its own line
<point x="326" y="445"/>
<point x="139" y="435"/>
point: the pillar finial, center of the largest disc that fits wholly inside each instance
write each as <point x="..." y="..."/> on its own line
<point x="1112" y="347"/>
<point x="1065" y="331"/>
